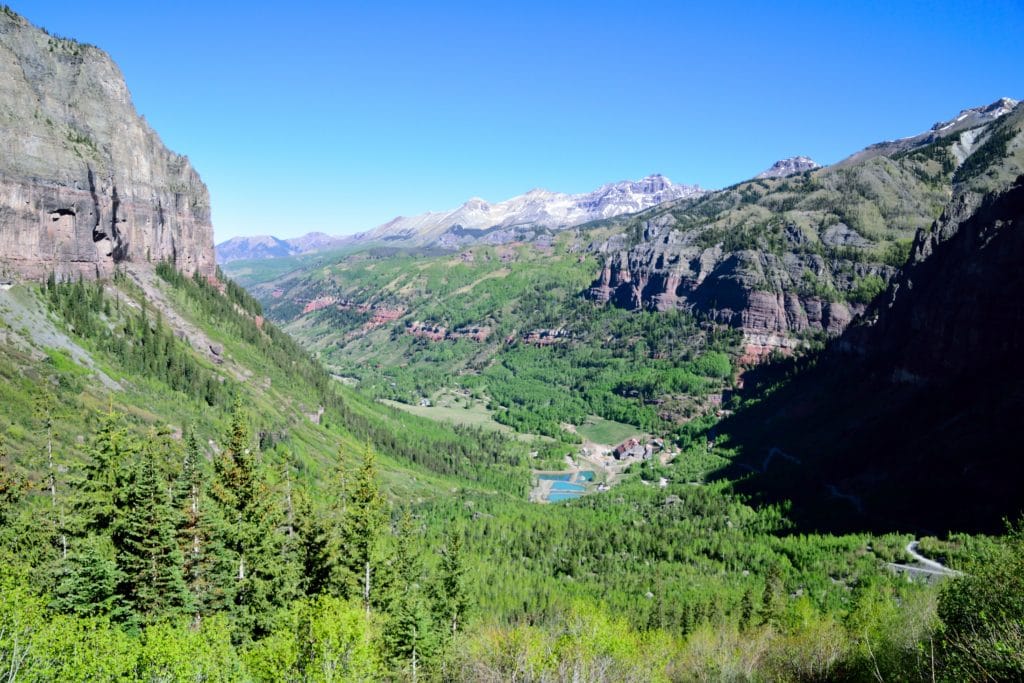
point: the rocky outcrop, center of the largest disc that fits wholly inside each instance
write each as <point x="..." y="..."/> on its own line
<point x="764" y="294"/>
<point x="788" y="167"/>
<point x="785" y="257"/>
<point x="319" y="303"/>
<point x="438" y="333"/>
<point x="85" y="183"/>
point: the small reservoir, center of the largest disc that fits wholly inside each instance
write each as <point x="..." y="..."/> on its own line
<point x="554" y="487"/>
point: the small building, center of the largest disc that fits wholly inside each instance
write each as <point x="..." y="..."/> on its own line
<point x="623" y="449"/>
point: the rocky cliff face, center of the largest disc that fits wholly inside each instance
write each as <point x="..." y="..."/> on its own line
<point x="786" y="257"/>
<point x="906" y="420"/>
<point x="85" y="183"/>
<point x="760" y="292"/>
<point x="957" y="307"/>
<point x="790" y="166"/>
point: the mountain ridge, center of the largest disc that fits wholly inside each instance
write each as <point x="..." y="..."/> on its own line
<point x="521" y="216"/>
<point x="795" y="256"/>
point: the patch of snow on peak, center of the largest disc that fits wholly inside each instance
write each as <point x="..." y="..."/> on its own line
<point x="788" y="167"/>
<point x="538" y="208"/>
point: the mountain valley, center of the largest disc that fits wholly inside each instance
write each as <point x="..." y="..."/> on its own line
<point x="647" y="433"/>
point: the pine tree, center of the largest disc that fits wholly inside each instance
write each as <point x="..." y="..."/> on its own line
<point x="341" y="485"/>
<point x="345" y="573"/>
<point x="746" y="609"/>
<point x="408" y="629"/>
<point x="365" y="521"/>
<point x="450" y="597"/>
<point x="88" y="582"/>
<point x="187" y="500"/>
<point x="290" y="577"/>
<point x="317" y="547"/>
<point x="149" y="558"/>
<point x="12" y="488"/>
<point x="246" y="522"/>
<point x="98" y="496"/>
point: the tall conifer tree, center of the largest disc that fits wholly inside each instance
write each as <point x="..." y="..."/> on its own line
<point x="364" y="524"/>
<point x="248" y="525"/>
<point x="145" y="535"/>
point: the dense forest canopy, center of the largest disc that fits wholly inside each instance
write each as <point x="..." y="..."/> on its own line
<point x="229" y="549"/>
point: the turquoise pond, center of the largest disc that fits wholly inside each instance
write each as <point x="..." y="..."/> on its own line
<point x="566" y="485"/>
<point x="563" y="490"/>
<point x="559" y="497"/>
<point x="583" y="475"/>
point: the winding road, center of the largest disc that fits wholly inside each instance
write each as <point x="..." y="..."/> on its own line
<point x="923" y="567"/>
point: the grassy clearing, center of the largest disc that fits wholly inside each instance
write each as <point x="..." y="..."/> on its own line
<point x="600" y="430"/>
<point x="461" y="411"/>
<point x="456" y="408"/>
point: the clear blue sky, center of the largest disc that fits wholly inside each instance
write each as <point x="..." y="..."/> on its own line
<point x="305" y="116"/>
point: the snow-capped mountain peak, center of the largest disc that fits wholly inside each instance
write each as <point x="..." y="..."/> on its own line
<point x="537" y="208"/>
<point x="978" y="115"/>
<point x="790" y="166"/>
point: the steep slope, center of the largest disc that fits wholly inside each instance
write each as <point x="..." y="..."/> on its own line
<point x="85" y="183"/>
<point x="87" y="188"/>
<point x="967" y="119"/>
<point x="907" y="420"/>
<point x="787" y="258"/>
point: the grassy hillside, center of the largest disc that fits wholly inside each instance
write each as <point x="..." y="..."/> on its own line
<point x="504" y="325"/>
<point x="59" y="342"/>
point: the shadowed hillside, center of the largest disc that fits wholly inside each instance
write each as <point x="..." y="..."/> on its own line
<point x="907" y="421"/>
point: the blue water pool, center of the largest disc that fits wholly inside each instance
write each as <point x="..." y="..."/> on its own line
<point x="555" y="477"/>
<point x="566" y="487"/>
<point x="586" y="475"/>
<point x="558" y="497"/>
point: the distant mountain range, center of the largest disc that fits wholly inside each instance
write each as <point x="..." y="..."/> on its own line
<point x="477" y="219"/>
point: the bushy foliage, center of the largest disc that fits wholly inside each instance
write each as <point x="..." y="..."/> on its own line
<point x="983" y="614"/>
